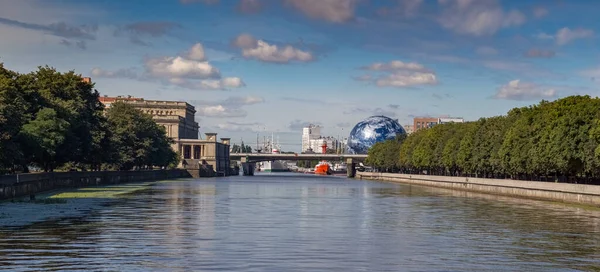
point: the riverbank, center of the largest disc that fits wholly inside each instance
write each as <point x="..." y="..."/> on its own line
<point x="14" y="186"/>
<point x="58" y="205"/>
<point x="563" y="192"/>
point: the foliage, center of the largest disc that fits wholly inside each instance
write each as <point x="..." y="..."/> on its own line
<point x="43" y="138"/>
<point x="137" y="141"/>
<point x="54" y="120"/>
<point x="235" y="148"/>
<point x="554" y="141"/>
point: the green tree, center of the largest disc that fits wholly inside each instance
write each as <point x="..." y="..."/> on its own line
<point x="44" y="136"/>
<point x="139" y="142"/>
<point x="235" y="148"/>
<point x="74" y="101"/>
<point x="13" y="108"/>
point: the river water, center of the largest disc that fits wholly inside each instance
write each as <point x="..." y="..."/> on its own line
<point x="306" y="223"/>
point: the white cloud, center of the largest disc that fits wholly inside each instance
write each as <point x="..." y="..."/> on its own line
<point x="196" y="53"/>
<point x="179" y="67"/>
<point x="237" y="127"/>
<point x="220" y="111"/>
<point x="230" y="107"/>
<point x="517" y="90"/>
<point x="544" y="36"/>
<point x="399" y="74"/>
<point x="263" y="51"/>
<point x="244" y="100"/>
<point x="566" y="35"/>
<point x="396" y="65"/>
<point x="189" y="70"/>
<point x="209" y="84"/>
<point x="121" y="73"/>
<point x="477" y="17"/>
<point x="404" y="79"/>
<point x="336" y="11"/>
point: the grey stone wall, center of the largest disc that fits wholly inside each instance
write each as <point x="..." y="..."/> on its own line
<point x="565" y="192"/>
<point x="27" y="184"/>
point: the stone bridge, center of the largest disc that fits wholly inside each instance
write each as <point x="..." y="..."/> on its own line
<point x="258" y="157"/>
<point x="250" y="159"/>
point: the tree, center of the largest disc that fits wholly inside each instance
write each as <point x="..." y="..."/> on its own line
<point x="75" y="102"/>
<point x="12" y="115"/>
<point x="44" y="135"/>
<point x="235" y="148"/>
<point x="139" y="142"/>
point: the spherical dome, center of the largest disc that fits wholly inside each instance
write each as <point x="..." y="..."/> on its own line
<point x="372" y="130"/>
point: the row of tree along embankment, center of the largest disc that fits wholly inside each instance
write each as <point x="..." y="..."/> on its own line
<point x="556" y="141"/>
<point x="13" y="186"/>
<point x="572" y="193"/>
<point x="546" y="150"/>
<point x="55" y="121"/>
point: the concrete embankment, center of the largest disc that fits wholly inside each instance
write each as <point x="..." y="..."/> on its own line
<point x="572" y="193"/>
<point x="14" y="186"/>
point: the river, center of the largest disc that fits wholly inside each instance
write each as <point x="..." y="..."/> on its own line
<point x="295" y="222"/>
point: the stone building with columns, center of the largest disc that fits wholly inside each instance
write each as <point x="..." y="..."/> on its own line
<point x="178" y="118"/>
<point x="209" y="151"/>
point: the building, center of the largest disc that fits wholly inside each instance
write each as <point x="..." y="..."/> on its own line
<point x="444" y="120"/>
<point x="427" y="122"/>
<point x="313" y="141"/>
<point x="331" y="142"/>
<point x="177" y="117"/>
<point x="424" y="122"/>
<point x="409" y="129"/>
<point x="310" y="133"/>
<point x="195" y="152"/>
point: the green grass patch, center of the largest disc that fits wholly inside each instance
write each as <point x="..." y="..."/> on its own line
<point x="111" y="191"/>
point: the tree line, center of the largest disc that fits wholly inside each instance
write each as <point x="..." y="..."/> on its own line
<point x="550" y="141"/>
<point x="241" y="148"/>
<point x="54" y="121"/>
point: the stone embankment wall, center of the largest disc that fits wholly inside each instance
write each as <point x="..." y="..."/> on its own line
<point x="565" y="192"/>
<point x="27" y="184"/>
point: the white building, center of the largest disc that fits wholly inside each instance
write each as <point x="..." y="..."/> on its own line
<point x="309" y="133"/>
<point x="444" y="120"/>
<point x="317" y="144"/>
<point x="313" y="140"/>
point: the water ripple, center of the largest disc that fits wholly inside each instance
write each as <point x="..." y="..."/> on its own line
<point x="305" y="223"/>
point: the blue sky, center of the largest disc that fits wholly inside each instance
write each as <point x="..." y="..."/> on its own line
<point x="263" y="66"/>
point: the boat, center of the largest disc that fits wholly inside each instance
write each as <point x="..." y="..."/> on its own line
<point x="323" y="168"/>
<point x="273" y="166"/>
<point x="340" y="168"/>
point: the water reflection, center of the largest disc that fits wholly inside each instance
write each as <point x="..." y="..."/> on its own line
<point x="305" y="223"/>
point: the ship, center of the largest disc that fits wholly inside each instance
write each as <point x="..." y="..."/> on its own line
<point x="323" y="168"/>
<point x="340" y="168"/>
<point x="273" y="166"/>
